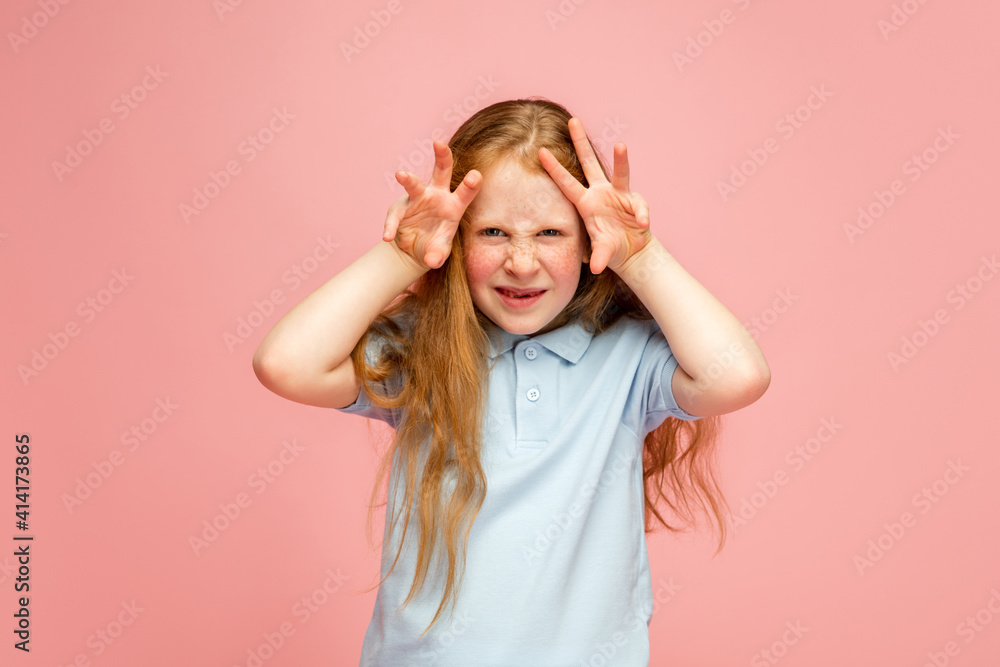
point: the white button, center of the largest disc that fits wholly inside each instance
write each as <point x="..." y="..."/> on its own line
<point x="533" y="394"/>
<point x="530" y="352"/>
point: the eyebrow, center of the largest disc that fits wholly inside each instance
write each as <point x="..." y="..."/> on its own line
<point x="548" y="225"/>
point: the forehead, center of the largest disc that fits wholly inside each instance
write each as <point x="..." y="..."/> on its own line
<point x="510" y="193"/>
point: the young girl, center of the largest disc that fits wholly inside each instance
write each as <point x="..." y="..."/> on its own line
<point x="540" y="413"/>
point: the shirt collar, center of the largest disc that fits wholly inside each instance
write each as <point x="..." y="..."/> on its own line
<point x="569" y="341"/>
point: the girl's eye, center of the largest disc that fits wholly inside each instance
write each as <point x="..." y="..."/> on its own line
<point x="545" y="232"/>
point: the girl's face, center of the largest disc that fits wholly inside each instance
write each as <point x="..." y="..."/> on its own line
<point x="525" y="237"/>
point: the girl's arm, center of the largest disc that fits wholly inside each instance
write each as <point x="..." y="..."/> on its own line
<point x="721" y="367"/>
<point x="306" y="357"/>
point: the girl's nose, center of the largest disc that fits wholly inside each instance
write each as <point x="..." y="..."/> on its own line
<point x="522" y="256"/>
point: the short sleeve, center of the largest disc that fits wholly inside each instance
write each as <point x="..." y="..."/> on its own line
<point x="656" y="371"/>
<point x="362" y="405"/>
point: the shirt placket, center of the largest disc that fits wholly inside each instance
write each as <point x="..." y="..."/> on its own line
<point x="532" y="398"/>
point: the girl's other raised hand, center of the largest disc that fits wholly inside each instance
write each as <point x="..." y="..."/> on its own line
<point x="424" y="221"/>
<point x="616" y="218"/>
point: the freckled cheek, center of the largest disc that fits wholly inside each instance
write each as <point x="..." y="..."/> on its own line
<point x="563" y="262"/>
<point x="482" y="262"/>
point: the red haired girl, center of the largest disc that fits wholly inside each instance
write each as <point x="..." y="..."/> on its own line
<point x="554" y="378"/>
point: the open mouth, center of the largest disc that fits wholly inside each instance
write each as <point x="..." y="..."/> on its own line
<point x="518" y="294"/>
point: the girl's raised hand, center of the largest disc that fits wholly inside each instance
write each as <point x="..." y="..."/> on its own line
<point x="616" y="219"/>
<point x="424" y="221"/>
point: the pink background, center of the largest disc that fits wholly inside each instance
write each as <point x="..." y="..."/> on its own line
<point x="325" y="180"/>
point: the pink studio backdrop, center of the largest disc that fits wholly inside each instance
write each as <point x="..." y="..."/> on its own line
<point x="178" y="175"/>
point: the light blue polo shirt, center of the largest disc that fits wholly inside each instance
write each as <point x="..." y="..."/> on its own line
<point x="557" y="571"/>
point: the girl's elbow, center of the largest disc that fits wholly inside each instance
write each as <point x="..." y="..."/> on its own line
<point x="745" y="388"/>
<point x="265" y="367"/>
<point x="753" y="384"/>
<point x="258" y="361"/>
<point x="764" y="379"/>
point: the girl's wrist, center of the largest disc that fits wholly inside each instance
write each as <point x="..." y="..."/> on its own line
<point x="406" y="261"/>
<point x="646" y="260"/>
